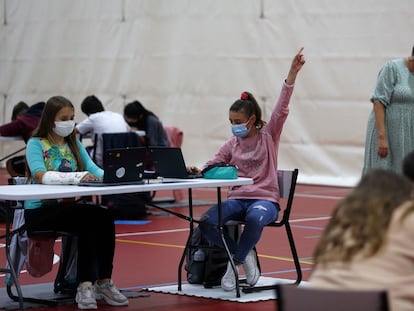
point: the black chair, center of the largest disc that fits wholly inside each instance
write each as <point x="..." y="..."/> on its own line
<point x="17" y="238"/>
<point x="121" y="140"/>
<point x="294" y="298"/>
<point x="125" y="206"/>
<point x="114" y="140"/>
<point x="287" y="184"/>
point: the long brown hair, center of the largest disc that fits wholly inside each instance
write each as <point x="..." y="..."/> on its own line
<point x="46" y="124"/>
<point x="360" y="222"/>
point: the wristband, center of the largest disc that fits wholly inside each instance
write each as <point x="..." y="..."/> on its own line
<point x="62" y="178"/>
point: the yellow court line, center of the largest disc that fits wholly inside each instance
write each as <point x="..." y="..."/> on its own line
<point x="150" y="243"/>
<point x="285" y="259"/>
<point x="181" y="246"/>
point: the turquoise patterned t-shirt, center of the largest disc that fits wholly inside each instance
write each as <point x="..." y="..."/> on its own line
<point x="58" y="158"/>
<point x="41" y="155"/>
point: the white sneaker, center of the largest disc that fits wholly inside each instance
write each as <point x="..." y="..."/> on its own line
<point x="228" y="281"/>
<point x="85" y="296"/>
<point x="110" y="294"/>
<point x="251" y="269"/>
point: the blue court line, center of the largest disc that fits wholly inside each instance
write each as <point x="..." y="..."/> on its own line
<point x="132" y="222"/>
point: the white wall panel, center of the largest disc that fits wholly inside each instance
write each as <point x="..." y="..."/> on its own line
<point x="188" y="60"/>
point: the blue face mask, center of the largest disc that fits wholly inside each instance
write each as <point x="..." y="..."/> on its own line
<point x="240" y="130"/>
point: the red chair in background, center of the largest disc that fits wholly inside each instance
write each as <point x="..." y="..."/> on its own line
<point x="175" y="137"/>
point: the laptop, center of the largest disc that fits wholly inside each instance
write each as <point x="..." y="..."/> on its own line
<point x="122" y="166"/>
<point x="169" y="163"/>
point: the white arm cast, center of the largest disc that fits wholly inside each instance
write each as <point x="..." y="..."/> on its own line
<point x="62" y="178"/>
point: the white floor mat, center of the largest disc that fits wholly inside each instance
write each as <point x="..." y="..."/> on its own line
<point x="197" y="290"/>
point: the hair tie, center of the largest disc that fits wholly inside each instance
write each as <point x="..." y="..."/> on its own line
<point x="244" y="96"/>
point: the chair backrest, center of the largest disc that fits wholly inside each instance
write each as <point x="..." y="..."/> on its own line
<point x="287" y="185"/>
<point x="120" y="140"/>
<point x="293" y="298"/>
<point x="286" y="180"/>
<point x="175" y="136"/>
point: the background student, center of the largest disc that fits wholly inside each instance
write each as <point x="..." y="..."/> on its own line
<point x="24" y="121"/>
<point x="367" y="243"/>
<point x="139" y="118"/>
<point x="99" y="121"/>
<point x="18" y="109"/>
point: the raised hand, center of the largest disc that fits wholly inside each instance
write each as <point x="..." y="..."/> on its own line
<point x="297" y="64"/>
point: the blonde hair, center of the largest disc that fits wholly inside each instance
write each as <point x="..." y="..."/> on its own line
<point x="360" y="222"/>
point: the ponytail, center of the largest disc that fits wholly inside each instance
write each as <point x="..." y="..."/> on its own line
<point x="248" y="105"/>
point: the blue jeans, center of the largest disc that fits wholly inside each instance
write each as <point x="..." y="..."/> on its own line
<point x="255" y="213"/>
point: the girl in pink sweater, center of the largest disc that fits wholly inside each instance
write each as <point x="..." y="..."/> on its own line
<point x="253" y="149"/>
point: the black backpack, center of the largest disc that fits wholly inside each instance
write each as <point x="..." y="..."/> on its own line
<point x="207" y="264"/>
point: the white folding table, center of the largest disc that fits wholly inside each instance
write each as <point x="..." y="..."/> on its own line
<point x="39" y="191"/>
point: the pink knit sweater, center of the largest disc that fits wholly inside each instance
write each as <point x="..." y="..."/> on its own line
<point x="256" y="156"/>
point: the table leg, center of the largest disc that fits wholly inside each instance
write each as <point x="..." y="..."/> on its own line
<point x="187" y="244"/>
<point x="221" y="230"/>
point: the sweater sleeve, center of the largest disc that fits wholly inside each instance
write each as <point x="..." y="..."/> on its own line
<point x="224" y="154"/>
<point x="280" y="112"/>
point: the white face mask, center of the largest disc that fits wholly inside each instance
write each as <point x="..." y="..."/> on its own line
<point x="64" y="128"/>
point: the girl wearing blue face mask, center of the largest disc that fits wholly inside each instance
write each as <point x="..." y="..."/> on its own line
<point x="253" y="149"/>
<point x="55" y="156"/>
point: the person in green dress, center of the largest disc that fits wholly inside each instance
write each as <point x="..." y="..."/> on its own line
<point x="390" y="130"/>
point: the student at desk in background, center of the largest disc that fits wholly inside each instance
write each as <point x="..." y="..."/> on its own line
<point x="55" y="156"/>
<point x="253" y="149"/>
<point x="142" y="119"/>
<point x="18" y="109"/>
<point x="23" y="123"/>
<point x="99" y="121"/>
